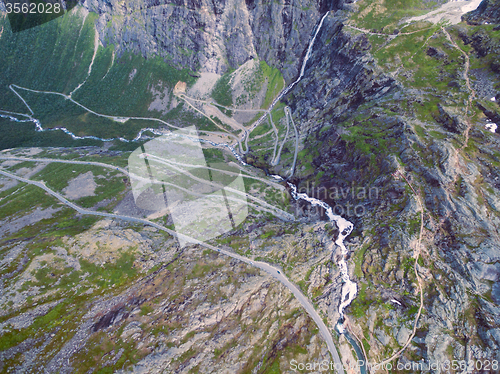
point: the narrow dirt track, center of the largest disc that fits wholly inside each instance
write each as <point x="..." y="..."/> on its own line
<point x="469" y="87"/>
<point x="416" y="255"/>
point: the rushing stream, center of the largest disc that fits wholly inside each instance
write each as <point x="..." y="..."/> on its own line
<point x="345" y="227"/>
<point x="39" y="128"/>
<point x="349" y="288"/>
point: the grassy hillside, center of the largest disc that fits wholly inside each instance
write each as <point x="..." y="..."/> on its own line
<point x="386" y="14"/>
<point x="56" y="57"/>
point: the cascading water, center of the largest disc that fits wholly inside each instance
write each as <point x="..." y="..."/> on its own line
<point x="349" y="288"/>
<point x="304" y="63"/>
<point x="301" y="75"/>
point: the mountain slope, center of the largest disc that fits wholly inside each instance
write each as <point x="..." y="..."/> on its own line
<point x="393" y="124"/>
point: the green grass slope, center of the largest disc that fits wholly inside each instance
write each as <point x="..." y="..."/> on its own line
<point x="56" y="57"/>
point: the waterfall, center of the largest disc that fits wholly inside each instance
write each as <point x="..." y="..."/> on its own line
<point x="349" y="288"/>
<point x="302" y="71"/>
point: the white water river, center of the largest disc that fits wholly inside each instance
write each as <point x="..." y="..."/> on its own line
<point x="349" y="288"/>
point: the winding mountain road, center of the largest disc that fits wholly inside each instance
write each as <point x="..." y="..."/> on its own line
<point x="263" y="205"/>
<point x="271" y="270"/>
<point x="274" y="272"/>
<point x="274" y="162"/>
<point x="290" y="118"/>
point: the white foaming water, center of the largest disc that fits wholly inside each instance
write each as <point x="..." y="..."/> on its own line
<point x="345" y="227"/>
<point x="349" y="289"/>
<point x="302" y="70"/>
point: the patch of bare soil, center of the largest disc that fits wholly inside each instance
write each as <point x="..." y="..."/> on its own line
<point x="29" y="172"/>
<point x="213" y="111"/>
<point x="202" y="89"/>
<point x="8" y="163"/>
<point x="180" y="88"/>
<point x="244" y="116"/>
<point x="81" y="186"/>
<point x="451" y="11"/>
<point x="6" y="183"/>
<point x="243" y="79"/>
<point x="12" y="226"/>
<point x="161" y="102"/>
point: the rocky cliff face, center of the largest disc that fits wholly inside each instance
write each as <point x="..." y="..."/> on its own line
<point x="340" y="76"/>
<point x="488" y="11"/>
<point x="363" y="123"/>
<point x="359" y="127"/>
<point x="211" y="36"/>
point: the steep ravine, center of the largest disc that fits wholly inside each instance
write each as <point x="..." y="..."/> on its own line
<point x="341" y="83"/>
<point x="347" y="92"/>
